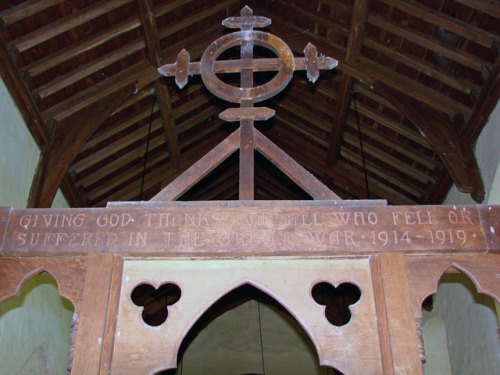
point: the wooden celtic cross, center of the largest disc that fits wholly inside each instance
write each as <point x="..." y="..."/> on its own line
<point x="247" y="95"/>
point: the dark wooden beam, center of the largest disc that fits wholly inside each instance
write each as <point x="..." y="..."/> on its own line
<point x="200" y="169"/>
<point x="341" y="112"/>
<point x="368" y="73"/>
<point x="62" y="25"/>
<point x="456" y="26"/>
<point x="25" y="9"/>
<point x="456" y="155"/>
<point x="85" y="70"/>
<point x="196" y="17"/>
<point x="428" y="42"/>
<point x="167" y="117"/>
<point x="52" y="60"/>
<point x="66" y="140"/>
<point x="146" y="11"/>
<point x="361" y="9"/>
<point x="292" y="169"/>
<point x="486" y="6"/>
<point x="140" y="74"/>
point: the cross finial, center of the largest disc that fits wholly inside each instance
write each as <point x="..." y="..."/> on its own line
<point x="247" y="95"/>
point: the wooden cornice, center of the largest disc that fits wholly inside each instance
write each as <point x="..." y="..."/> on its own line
<point x="66" y="140"/>
<point x="456" y="155"/>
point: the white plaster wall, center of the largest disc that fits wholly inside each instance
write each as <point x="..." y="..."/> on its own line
<point x="18" y="157"/>
<point x="34" y="328"/>
<point x="436" y="347"/>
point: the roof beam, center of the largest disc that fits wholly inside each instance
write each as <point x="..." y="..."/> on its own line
<point x="129" y="157"/>
<point x="86" y="70"/>
<point x="456" y="26"/>
<point x="486" y="6"/>
<point x="131" y="175"/>
<point x="196" y="17"/>
<point x="110" y="149"/>
<point x="200" y="169"/>
<point x="292" y="169"/>
<point x="456" y="155"/>
<point x="140" y="74"/>
<point x="148" y="20"/>
<point x="354" y="46"/>
<point x="141" y="116"/>
<point x="375" y="153"/>
<point x="170" y="6"/>
<point x="25" y="9"/>
<point x="423" y="94"/>
<point x="167" y="118"/>
<point x="65" y="143"/>
<point x="64" y="24"/>
<point x="348" y="178"/>
<point x="42" y="65"/>
<point x="341" y="112"/>
<point x="162" y="176"/>
<point x="423" y="66"/>
<point x="368" y="73"/>
<point x="430" y="43"/>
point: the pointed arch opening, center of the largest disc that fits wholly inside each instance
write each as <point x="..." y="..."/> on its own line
<point x="460" y="326"/>
<point x="247" y="332"/>
<point x="36" y="329"/>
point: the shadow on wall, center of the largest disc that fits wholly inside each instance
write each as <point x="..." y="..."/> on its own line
<point x="35" y="329"/>
<point x="460" y="328"/>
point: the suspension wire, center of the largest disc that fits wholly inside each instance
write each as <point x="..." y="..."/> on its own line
<point x="354" y="94"/>
<point x="261" y="342"/>
<point x="147" y="146"/>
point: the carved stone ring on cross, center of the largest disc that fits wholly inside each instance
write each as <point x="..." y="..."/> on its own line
<point x="256" y="94"/>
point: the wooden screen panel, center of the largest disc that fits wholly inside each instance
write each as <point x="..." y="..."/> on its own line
<point x="352" y="349"/>
<point x="424" y="274"/>
<point x="69" y="274"/>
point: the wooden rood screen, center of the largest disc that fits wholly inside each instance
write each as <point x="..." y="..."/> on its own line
<point x="395" y="256"/>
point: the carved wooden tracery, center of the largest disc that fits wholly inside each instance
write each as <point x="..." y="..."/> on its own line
<point x="394" y="255"/>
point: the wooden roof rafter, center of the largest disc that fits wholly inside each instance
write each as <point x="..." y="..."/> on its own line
<point x="64" y="79"/>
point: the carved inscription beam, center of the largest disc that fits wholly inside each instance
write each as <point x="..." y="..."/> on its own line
<point x="243" y="228"/>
